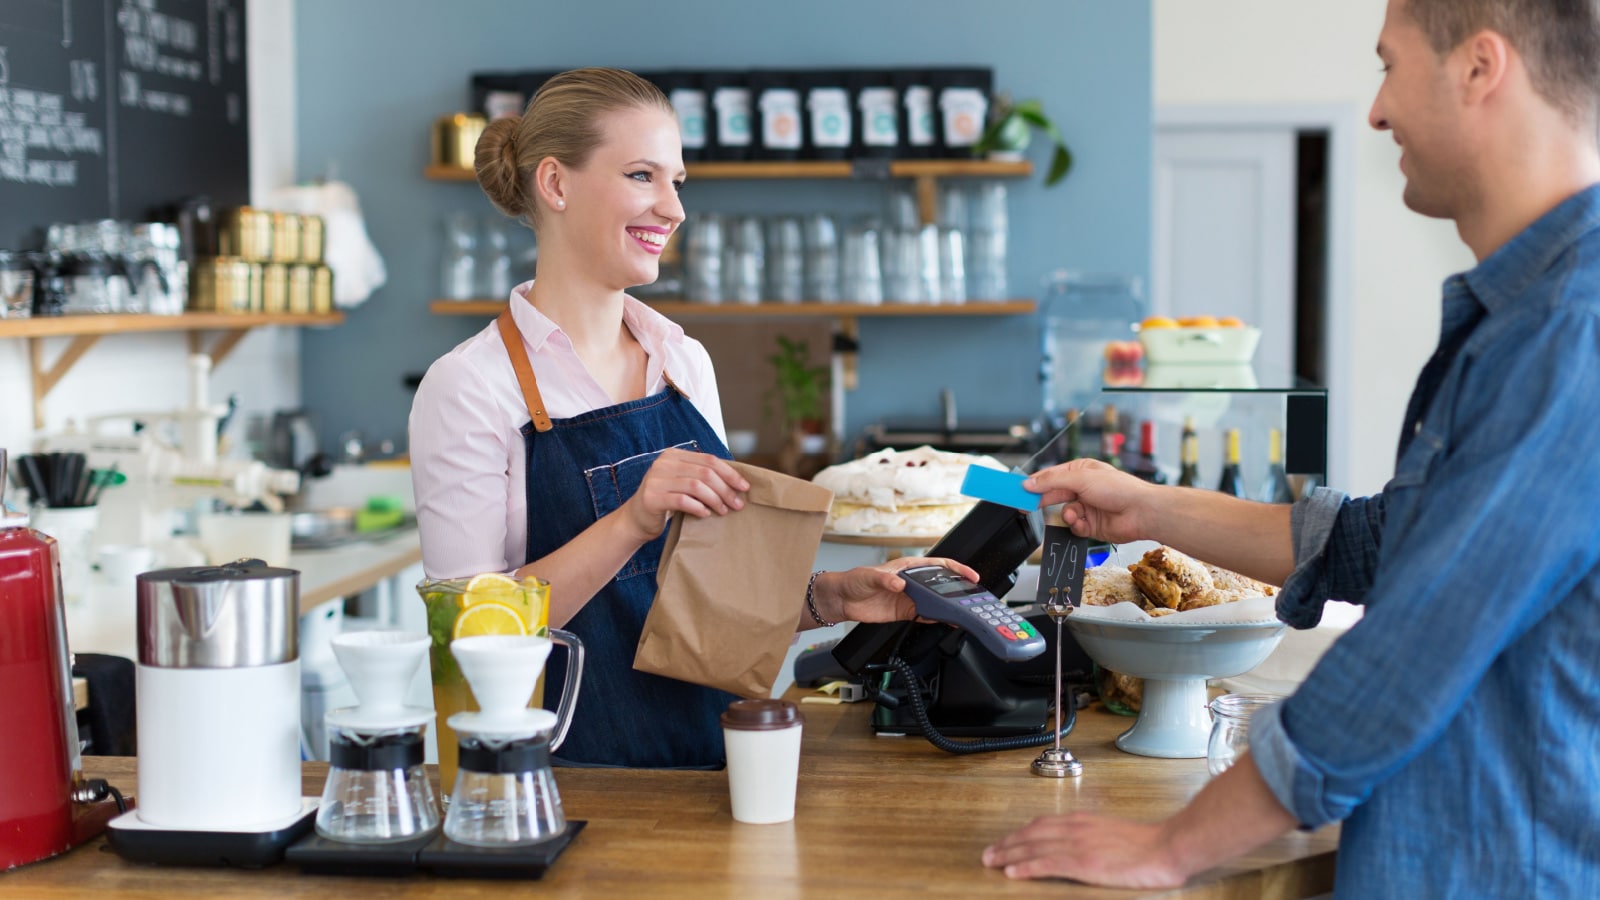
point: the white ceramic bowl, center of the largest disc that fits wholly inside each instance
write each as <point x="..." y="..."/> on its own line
<point x="1174" y="661"/>
<point x="1184" y="346"/>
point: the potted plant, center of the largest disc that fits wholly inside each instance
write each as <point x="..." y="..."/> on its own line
<point x="1011" y="127"/>
<point x="797" y="392"/>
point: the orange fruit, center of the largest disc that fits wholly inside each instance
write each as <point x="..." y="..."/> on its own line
<point x="1198" y="322"/>
<point x="1230" y="322"/>
<point x="1159" y="322"/>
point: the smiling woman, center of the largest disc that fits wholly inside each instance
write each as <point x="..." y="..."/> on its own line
<point x="557" y="441"/>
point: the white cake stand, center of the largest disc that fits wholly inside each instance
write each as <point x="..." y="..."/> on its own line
<point x="1174" y="660"/>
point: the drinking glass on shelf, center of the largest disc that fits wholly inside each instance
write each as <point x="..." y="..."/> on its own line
<point x="902" y="266"/>
<point x="458" y="265"/>
<point x="952" y="266"/>
<point x="861" y="278"/>
<point x="785" y="261"/>
<point x="703" y="258"/>
<point x="986" y="265"/>
<point x="744" y="267"/>
<point x="953" y="205"/>
<point x="494" y="259"/>
<point x="822" y="259"/>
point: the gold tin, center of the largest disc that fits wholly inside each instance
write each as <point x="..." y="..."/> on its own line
<point x="220" y="284"/>
<point x="311" y="239"/>
<point x="246" y="232"/>
<point x="257" y="287"/>
<point x="300" y="278"/>
<point x="275" y="288"/>
<point x="285" y="237"/>
<point x="321" y="289"/>
<point x="455" y="139"/>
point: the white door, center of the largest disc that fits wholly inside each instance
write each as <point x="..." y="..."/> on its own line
<point x="1224" y="232"/>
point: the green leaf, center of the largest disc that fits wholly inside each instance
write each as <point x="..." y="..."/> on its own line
<point x="1060" y="162"/>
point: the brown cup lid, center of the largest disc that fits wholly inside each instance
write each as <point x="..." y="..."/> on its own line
<point x="761" y="715"/>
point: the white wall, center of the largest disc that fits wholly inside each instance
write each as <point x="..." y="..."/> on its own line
<point x="1282" y="53"/>
<point x="148" y="371"/>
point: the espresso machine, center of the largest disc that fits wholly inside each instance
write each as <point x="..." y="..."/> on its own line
<point x="47" y="807"/>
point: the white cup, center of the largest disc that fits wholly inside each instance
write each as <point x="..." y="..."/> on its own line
<point x="762" y="738"/>
<point x="226" y="537"/>
<point x="741" y="443"/>
<point x="120" y="564"/>
<point x="73" y="528"/>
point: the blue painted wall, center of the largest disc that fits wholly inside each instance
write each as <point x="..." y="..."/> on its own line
<point x="373" y="74"/>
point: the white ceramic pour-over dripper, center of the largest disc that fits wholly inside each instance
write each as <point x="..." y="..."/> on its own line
<point x="502" y="670"/>
<point x="380" y="666"/>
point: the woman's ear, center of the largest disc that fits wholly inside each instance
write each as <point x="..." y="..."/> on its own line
<point x="550" y="183"/>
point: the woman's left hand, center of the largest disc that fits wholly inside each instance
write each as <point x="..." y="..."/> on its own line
<point x="875" y="593"/>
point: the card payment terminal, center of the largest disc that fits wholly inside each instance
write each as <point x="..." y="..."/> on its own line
<point x="944" y="596"/>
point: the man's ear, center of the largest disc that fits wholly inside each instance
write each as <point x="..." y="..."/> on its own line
<point x="1485" y="60"/>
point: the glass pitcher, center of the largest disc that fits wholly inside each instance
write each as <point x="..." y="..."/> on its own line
<point x="504" y="605"/>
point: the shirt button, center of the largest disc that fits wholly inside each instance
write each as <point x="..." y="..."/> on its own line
<point x="1417" y="428"/>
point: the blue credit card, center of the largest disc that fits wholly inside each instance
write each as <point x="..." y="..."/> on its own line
<point x="995" y="486"/>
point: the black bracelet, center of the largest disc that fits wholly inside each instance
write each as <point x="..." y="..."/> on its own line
<point x="811" y="601"/>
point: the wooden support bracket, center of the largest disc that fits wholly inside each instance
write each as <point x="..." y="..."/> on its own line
<point x="45" y="380"/>
<point x="928" y="199"/>
<point x="219" y="349"/>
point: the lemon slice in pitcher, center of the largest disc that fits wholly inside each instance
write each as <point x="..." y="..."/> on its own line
<point x="488" y="617"/>
<point x="493" y="587"/>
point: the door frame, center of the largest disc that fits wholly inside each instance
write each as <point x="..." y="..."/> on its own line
<point x="1338" y="121"/>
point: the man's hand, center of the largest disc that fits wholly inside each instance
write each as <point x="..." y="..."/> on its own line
<point x="1088" y="848"/>
<point x="1101" y="502"/>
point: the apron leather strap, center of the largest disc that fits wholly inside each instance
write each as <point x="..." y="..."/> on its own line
<point x="519" y="363"/>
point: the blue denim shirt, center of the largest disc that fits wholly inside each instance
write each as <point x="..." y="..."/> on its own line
<point x="1456" y="728"/>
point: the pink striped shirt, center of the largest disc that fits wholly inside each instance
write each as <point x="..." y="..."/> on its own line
<point x="467" y="460"/>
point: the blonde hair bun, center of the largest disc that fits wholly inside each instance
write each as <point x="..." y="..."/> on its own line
<point x="495" y="161"/>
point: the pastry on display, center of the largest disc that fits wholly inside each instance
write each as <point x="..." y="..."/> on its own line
<point x="901" y="493"/>
<point x="1165" y="581"/>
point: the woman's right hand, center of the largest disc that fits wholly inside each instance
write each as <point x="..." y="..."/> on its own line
<point x="1102" y="502"/>
<point x="679" y="481"/>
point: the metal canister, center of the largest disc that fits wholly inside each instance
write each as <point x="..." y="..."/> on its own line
<point x="285" y="237"/>
<point x="321" y="289"/>
<point x="256" y="280"/>
<point x="300" y="278"/>
<point x="274" y="288"/>
<point x="246" y="233"/>
<point x="311" y="239"/>
<point x="220" y="284"/>
<point x="218" y="695"/>
<point x="455" y="139"/>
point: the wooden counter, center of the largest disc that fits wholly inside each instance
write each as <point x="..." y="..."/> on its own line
<point x="876" y="817"/>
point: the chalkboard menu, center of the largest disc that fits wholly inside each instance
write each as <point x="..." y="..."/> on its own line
<point x="117" y="108"/>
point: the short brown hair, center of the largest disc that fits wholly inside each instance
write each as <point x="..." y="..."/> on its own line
<point x="562" y="121"/>
<point x="1559" y="40"/>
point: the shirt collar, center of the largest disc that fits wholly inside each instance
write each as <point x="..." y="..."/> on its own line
<point x="651" y="329"/>
<point x="1506" y="274"/>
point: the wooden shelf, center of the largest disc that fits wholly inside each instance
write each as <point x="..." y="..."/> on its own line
<point x="736" y="311"/>
<point x="816" y="168"/>
<point x="122" y="323"/>
<point x="925" y="172"/>
<point x="86" y="330"/>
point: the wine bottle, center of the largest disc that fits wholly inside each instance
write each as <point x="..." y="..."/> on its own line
<point x="1277" y="489"/>
<point x="1111" y="438"/>
<point x="1190" y="454"/>
<point x="1231" y="482"/>
<point x="1145" y="466"/>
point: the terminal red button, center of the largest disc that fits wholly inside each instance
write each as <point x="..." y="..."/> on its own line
<point x="1007" y="633"/>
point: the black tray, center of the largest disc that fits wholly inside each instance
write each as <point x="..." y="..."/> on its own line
<point x="242" y="849"/>
<point x="434" y="854"/>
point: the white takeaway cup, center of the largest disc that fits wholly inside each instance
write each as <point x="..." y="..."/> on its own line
<point x="762" y="738"/>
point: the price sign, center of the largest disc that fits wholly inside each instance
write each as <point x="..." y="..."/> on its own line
<point x="1061" y="565"/>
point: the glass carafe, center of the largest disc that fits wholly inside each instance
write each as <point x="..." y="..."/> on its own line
<point x="505" y="792"/>
<point x="377" y="790"/>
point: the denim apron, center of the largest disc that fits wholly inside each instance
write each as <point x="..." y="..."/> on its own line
<point x="578" y="470"/>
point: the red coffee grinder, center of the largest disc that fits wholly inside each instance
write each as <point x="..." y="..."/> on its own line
<point x="46" y="805"/>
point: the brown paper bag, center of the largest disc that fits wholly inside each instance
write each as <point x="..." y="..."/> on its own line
<point x="730" y="589"/>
